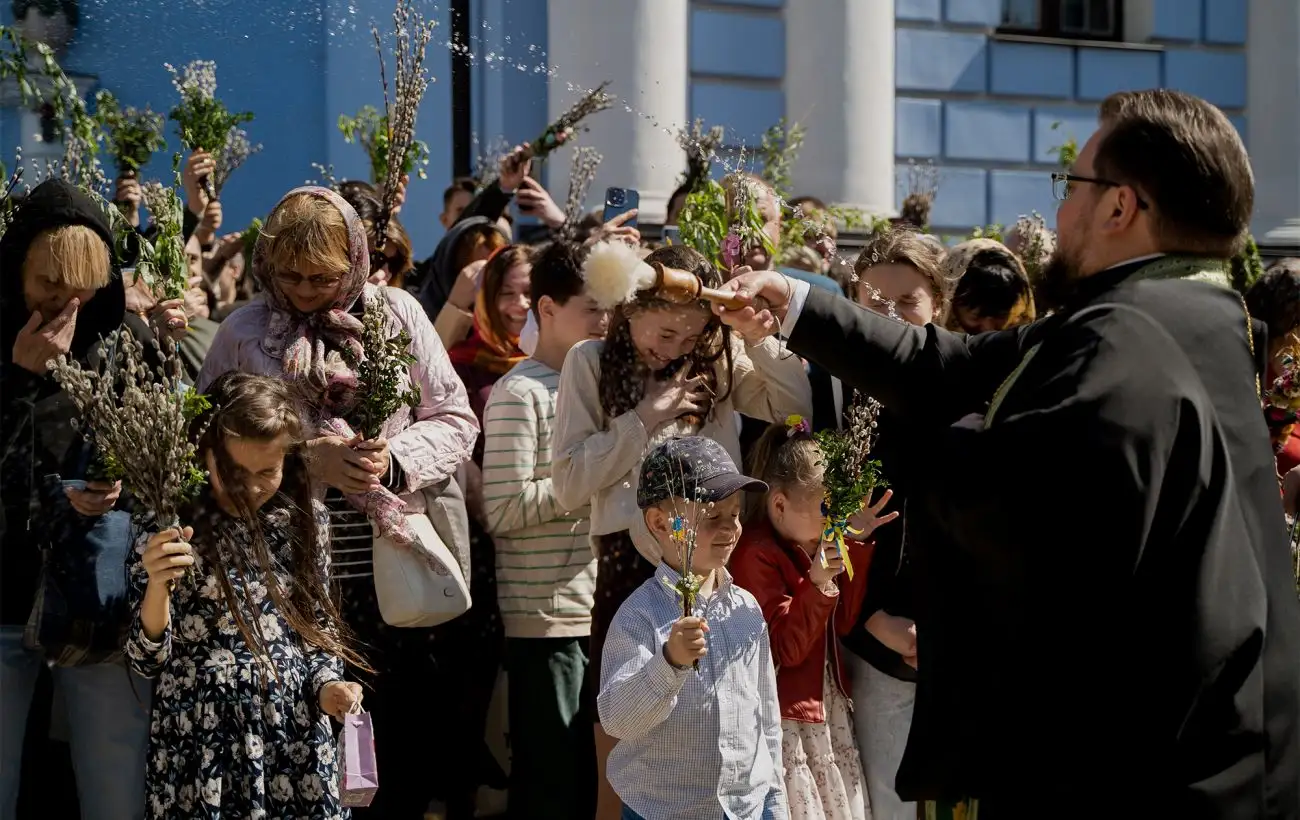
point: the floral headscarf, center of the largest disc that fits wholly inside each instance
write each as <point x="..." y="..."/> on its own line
<point x="309" y="344"/>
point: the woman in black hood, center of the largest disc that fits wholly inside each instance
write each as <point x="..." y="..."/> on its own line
<point x="60" y="292"/>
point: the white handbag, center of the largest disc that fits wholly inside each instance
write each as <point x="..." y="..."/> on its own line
<point x="413" y="591"/>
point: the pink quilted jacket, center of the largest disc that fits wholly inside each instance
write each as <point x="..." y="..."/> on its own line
<point x="429" y="442"/>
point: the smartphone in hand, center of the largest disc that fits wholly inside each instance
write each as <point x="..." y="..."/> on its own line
<point x="620" y="201"/>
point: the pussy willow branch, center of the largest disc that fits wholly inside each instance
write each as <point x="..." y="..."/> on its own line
<point x="701" y="147"/>
<point x="232" y="155"/>
<point x="581" y="174"/>
<point x="412" y="35"/>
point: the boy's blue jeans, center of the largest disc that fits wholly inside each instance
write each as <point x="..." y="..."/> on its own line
<point x="109" y="726"/>
<point x="628" y="814"/>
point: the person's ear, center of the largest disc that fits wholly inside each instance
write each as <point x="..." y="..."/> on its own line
<point x="658" y="522"/>
<point x="1124" y="208"/>
<point x="546" y="307"/>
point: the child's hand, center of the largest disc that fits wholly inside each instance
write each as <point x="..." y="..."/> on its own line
<point x="868" y="519"/>
<point x="824" y="575"/>
<point x="167" y="555"/>
<point x="338" y="698"/>
<point x="686" y="642"/>
<point x="895" y="632"/>
<point x="671" y="398"/>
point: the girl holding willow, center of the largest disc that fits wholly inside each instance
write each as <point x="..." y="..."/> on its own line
<point x="664" y="370"/>
<point x="312" y="261"/>
<point x="809" y="605"/>
<point x="232" y="616"/>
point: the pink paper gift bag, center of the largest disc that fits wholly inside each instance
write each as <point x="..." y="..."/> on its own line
<point x="358" y="777"/>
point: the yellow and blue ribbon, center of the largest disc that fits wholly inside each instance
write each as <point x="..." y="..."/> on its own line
<point x="835" y="531"/>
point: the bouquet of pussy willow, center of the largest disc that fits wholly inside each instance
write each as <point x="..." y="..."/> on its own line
<point x="139" y="419"/>
<point x="133" y="135"/>
<point x="849" y="474"/>
<point x="564" y="126"/>
<point x="203" y="121"/>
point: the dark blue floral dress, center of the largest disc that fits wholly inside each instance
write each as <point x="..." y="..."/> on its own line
<point x="228" y="739"/>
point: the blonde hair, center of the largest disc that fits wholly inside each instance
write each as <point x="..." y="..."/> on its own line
<point x="307" y="231"/>
<point x="71" y="255"/>
<point x="786" y="459"/>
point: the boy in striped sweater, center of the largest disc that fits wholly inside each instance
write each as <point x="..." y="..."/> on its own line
<point x="546" y="574"/>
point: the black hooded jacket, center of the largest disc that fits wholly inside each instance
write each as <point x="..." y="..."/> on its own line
<point x="437" y="275"/>
<point x="36" y="435"/>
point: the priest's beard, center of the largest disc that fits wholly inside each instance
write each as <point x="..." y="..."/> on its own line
<point x="1059" y="280"/>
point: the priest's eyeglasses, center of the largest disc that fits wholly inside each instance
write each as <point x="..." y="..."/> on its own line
<point x="1063" y="186"/>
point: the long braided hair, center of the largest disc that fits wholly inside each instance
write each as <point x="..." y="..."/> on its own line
<point x="622" y="373"/>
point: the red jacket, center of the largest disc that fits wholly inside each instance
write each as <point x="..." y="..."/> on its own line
<point x="801" y="620"/>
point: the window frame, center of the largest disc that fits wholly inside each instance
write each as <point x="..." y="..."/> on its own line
<point x="1049" y="25"/>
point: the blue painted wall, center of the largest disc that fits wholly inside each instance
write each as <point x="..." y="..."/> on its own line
<point x="737" y="63"/>
<point x="988" y="112"/>
<point x="297" y="65"/>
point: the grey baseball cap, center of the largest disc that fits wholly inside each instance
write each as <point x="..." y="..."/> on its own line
<point x="691" y="467"/>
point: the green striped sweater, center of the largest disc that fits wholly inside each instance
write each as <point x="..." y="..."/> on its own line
<point x="546" y="576"/>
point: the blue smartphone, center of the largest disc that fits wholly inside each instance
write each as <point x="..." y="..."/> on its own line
<point x="672" y="235"/>
<point x="620" y="201"/>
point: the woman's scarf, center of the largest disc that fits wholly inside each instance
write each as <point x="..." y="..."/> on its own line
<point x="484" y="349"/>
<point x="309" y="348"/>
<point x="309" y="345"/>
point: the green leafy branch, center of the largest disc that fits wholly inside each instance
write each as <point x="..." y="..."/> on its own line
<point x="1067" y="152"/>
<point x="133" y="135"/>
<point x="372" y="131"/>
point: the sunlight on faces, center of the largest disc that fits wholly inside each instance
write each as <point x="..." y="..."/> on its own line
<point x="796" y="512"/>
<point x="257" y="470"/>
<point x="756" y="256"/>
<point x="194" y="256"/>
<point x="717" y="529"/>
<point x="662" y="335"/>
<point x="63" y="264"/>
<point x="577" y="320"/>
<point x="905" y="286"/>
<point x="512" y="301"/>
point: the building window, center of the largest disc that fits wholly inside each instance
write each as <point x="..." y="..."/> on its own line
<point x="1070" y="19"/>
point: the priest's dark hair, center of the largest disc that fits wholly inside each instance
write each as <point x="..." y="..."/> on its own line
<point x="1185" y="157"/>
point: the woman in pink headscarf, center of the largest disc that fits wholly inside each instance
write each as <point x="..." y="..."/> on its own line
<point x="312" y="263"/>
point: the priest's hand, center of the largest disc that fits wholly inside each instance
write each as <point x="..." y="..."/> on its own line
<point x="755" y="319"/>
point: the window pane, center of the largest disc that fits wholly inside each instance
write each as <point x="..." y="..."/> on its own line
<point x="1020" y="13"/>
<point x="1101" y="17"/>
<point x="1074" y="16"/>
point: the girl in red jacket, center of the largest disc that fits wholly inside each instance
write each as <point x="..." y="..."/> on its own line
<point x="808" y="606"/>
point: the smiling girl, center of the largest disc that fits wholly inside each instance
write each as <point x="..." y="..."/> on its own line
<point x="664" y="370"/>
<point x="234" y="619"/>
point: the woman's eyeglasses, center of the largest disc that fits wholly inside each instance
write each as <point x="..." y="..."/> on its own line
<point x="290" y="279"/>
<point x="1063" y="185"/>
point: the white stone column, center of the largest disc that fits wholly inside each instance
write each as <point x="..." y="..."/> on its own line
<point x="641" y="47"/>
<point x="1273" y="120"/>
<point x="839" y="82"/>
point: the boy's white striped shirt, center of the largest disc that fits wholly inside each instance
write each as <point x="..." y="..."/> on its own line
<point x="546" y="576"/>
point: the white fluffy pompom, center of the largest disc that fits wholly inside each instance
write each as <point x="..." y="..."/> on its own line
<point x="614" y="273"/>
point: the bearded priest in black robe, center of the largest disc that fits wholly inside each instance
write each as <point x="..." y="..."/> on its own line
<point x="1109" y="626"/>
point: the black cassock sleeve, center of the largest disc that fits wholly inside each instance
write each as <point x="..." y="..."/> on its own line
<point x="920" y="372"/>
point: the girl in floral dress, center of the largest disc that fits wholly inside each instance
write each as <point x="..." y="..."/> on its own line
<point x="233" y="619"/>
<point x="808" y="604"/>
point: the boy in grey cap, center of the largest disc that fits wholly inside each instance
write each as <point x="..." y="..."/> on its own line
<point x="694" y="742"/>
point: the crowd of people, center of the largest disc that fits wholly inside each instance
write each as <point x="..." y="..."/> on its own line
<point x="1075" y="597"/>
